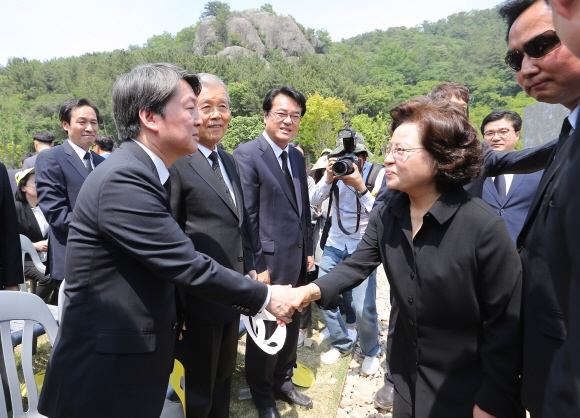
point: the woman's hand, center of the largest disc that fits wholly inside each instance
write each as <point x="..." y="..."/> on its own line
<point x="480" y="413"/>
<point x="41" y="246"/>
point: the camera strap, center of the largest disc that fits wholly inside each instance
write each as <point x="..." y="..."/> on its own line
<point x="334" y="189"/>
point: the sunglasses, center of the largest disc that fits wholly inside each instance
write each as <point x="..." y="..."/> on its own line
<point x="537" y="47"/>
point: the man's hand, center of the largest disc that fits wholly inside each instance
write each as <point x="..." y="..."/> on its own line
<point x="309" y="263"/>
<point x="329" y="173"/>
<point x="280" y="304"/>
<point x="480" y="413"/>
<point x="264" y="277"/>
<point x="253" y="275"/>
<point x="15" y="287"/>
<point x="181" y="333"/>
<point x="305" y="295"/>
<point x="41" y="246"/>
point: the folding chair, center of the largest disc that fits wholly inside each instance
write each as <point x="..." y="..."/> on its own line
<point x="27" y="248"/>
<point x="31" y="310"/>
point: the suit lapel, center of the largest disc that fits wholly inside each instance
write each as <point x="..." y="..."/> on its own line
<point x="199" y="163"/>
<point x="233" y="175"/>
<point x="516" y="181"/>
<point x="74" y="159"/>
<point x="32" y="222"/>
<point x="490" y="186"/>
<point x="272" y="162"/>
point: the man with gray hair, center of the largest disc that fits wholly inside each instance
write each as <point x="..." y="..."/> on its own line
<point x="125" y="255"/>
<point x="207" y="203"/>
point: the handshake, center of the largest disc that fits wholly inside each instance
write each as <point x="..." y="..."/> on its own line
<point x="284" y="300"/>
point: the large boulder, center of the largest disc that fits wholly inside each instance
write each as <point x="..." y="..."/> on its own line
<point x="206" y="35"/>
<point x="248" y="34"/>
<point x="232" y="51"/>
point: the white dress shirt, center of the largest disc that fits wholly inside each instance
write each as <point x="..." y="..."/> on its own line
<point x="278" y="152"/>
<point x="206" y="153"/>
<point x="81" y="153"/>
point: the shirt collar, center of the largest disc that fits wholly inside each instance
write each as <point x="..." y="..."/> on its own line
<point x="161" y="169"/>
<point x="277" y="150"/>
<point x="442" y="210"/>
<point x="78" y="150"/>
<point x="573" y="117"/>
<point x="205" y="150"/>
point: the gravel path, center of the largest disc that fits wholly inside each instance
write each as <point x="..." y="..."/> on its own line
<point x="359" y="390"/>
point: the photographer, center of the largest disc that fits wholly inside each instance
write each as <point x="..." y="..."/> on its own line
<point x="351" y="202"/>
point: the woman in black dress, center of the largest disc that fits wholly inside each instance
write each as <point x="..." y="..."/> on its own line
<point x="32" y="224"/>
<point x="453" y="270"/>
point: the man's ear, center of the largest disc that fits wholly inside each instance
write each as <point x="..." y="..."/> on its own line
<point x="65" y="125"/>
<point x="563" y="8"/>
<point x="149" y="119"/>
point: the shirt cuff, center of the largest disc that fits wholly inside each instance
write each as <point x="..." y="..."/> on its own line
<point x="367" y="200"/>
<point x="267" y="299"/>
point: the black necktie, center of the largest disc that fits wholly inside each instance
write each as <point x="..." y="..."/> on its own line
<point x="217" y="170"/>
<point x="564" y="134"/>
<point x="500" y="186"/>
<point x="87" y="160"/>
<point x="167" y="186"/>
<point x="286" y="172"/>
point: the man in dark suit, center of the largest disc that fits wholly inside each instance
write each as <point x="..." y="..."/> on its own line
<point x="114" y="349"/>
<point x="547" y="71"/>
<point x="10" y="257"/>
<point x="208" y="205"/>
<point x="60" y="173"/>
<point x="43" y="140"/>
<point x="509" y="194"/>
<point x="273" y="178"/>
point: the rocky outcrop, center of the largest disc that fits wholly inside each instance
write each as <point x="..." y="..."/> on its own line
<point x="232" y="51"/>
<point x="256" y="31"/>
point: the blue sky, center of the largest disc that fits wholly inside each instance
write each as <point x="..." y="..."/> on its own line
<point x="40" y="29"/>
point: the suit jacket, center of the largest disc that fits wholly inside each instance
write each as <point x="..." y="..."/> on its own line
<point x="458" y="286"/>
<point x="29" y="162"/>
<point x="10" y="264"/>
<point x="516" y="204"/>
<point x="27" y="223"/>
<point x="11" y="174"/>
<point x="216" y="227"/>
<point x="114" y="349"/>
<point x="60" y="173"/>
<point x="280" y="223"/>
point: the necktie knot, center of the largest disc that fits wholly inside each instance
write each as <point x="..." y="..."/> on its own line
<point x="214" y="157"/>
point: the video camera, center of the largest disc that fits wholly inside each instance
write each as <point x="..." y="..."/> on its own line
<point x="344" y="165"/>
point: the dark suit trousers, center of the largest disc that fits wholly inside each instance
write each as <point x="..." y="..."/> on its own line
<point x="208" y="354"/>
<point x="268" y="373"/>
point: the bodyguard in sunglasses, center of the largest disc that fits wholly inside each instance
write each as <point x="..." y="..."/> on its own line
<point x="549" y="72"/>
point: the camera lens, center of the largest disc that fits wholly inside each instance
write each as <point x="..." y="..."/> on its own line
<point x="342" y="168"/>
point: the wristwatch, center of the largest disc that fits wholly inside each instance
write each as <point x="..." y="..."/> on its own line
<point x="360" y="194"/>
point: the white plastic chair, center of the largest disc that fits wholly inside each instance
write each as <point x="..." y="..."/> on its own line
<point x="31" y="310"/>
<point x="27" y="248"/>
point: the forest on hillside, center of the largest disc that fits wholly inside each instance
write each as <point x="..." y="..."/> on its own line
<point x="355" y="83"/>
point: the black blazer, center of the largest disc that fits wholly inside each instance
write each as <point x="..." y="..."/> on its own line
<point x="60" y="173"/>
<point x="125" y="255"/>
<point x="280" y="223"/>
<point x="10" y="264"/>
<point x="216" y="227"/>
<point x="27" y="223"/>
<point x="458" y="285"/>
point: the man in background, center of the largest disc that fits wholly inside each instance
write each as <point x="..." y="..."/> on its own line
<point x="104" y="145"/>
<point x="273" y="176"/>
<point x="509" y="194"/>
<point x="60" y="173"/>
<point x="43" y="140"/>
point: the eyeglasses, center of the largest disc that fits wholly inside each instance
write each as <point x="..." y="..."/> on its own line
<point x="402" y="154"/>
<point x="502" y="133"/>
<point x="280" y="116"/>
<point x="538" y="47"/>
<point x="208" y="110"/>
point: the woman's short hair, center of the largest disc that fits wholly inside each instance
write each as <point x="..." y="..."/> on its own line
<point x="19" y="195"/>
<point x="447" y="135"/>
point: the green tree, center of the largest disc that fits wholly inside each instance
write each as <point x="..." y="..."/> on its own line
<point x="242" y="129"/>
<point x="322" y="121"/>
<point x="374" y="131"/>
<point x="267" y="8"/>
<point x="214" y="8"/>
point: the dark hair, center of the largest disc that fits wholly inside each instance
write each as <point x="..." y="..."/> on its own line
<point x="298" y="144"/>
<point x="25" y="156"/>
<point x="447" y="135"/>
<point x="44" y="136"/>
<point x="19" y="195"/>
<point x="512" y="9"/>
<point x="510" y="115"/>
<point x="67" y="107"/>
<point x="105" y="142"/>
<point x="287" y="91"/>
<point x="149" y="87"/>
